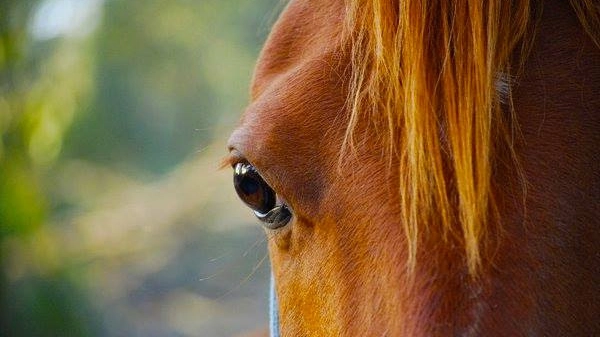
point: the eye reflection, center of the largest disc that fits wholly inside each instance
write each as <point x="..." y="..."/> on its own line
<point x="259" y="196"/>
<point x="252" y="189"/>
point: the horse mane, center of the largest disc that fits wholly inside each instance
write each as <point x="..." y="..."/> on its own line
<point x="424" y="75"/>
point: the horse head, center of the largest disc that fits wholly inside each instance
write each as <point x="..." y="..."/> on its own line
<point x="426" y="168"/>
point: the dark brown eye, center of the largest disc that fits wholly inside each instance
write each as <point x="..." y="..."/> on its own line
<point x="252" y="189"/>
<point x="259" y="196"/>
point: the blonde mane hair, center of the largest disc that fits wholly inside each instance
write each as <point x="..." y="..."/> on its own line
<point x="424" y="74"/>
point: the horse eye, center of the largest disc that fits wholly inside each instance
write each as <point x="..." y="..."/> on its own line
<point x="259" y="196"/>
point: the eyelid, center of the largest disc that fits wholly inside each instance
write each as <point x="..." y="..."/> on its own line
<point x="233" y="158"/>
<point x="236" y="157"/>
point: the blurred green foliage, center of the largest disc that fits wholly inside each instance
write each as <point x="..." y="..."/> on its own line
<point x="39" y="88"/>
<point x="139" y="94"/>
<point x="162" y="83"/>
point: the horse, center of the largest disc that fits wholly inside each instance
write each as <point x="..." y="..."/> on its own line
<point x="428" y="168"/>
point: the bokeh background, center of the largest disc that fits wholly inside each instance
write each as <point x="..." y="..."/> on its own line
<point x="115" y="219"/>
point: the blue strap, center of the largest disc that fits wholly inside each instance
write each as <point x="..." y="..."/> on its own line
<point x="273" y="310"/>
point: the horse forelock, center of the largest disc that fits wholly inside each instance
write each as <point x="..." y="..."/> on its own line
<point x="433" y="79"/>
